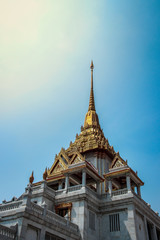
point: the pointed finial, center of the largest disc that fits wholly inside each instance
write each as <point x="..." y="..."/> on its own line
<point x="45" y="174"/>
<point x="31" y="179"/>
<point x="91" y="66"/>
<point x="91" y="100"/>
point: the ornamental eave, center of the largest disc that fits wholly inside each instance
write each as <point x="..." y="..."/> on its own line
<point x="118" y="172"/>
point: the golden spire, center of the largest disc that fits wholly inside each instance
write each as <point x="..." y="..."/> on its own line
<point x="91" y="119"/>
<point x="91" y="100"/>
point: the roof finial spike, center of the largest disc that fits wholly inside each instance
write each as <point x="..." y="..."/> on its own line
<point x="31" y="179"/>
<point x="91" y="100"/>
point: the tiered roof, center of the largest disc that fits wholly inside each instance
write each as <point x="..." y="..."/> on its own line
<point x="90" y="139"/>
<point x="91" y="136"/>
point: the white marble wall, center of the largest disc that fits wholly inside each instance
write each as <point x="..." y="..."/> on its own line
<point x="140" y="227"/>
<point x="127" y="226"/>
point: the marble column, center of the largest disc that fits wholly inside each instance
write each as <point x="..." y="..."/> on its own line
<point x="146" y="229"/>
<point x="128" y="181"/>
<point x="110" y="187"/>
<point x="154" y="233"/>
<point x="26" y="197"/>
<point x="67" y="182"/>
<point x="83" y="177"/>
<point x="60" y="185"/>
<point x="98" y="187"/>
<point x="42" y="233"/>
<point x="43" y="184"/>
<point x="104" y="186"/>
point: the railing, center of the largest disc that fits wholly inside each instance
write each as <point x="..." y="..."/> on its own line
<point x="120" y="192"/>
<point x="53" y="216"/>
<point x="39" y="188"/>
<point x="61" y="220"/>
<point x="69" y="189"/>
<point x="50" y="191"/>
<point x="91" y="191"/>
<point x="35" y="188"/>
<point x="10" y="206"/>
<point x="74" y="188"/>
<point x="7" y="232"/>
<point x="36" y="208"/>
<point x="59" y="192"/>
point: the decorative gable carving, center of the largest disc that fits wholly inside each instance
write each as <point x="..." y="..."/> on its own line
<point x="64" y="156"/>
<point x="60" y="163"/>
<point x="76" y="158"/>
<point x="58" y="168"/>
<point x="118" y="162"/>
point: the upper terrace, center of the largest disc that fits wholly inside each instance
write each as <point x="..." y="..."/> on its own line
<point x="35" y="196"/>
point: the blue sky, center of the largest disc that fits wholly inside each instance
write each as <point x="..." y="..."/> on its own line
<point x="45" y="53"/>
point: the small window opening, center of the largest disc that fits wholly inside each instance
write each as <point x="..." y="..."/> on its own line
<point x="114" y="222"/>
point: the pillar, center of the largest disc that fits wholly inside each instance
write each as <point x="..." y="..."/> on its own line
<point x="44" y="205"/>
<point x="60" y="185"/>
<point x="154" y="233"/>
<point x="83" y="178"/>
<point x="110" y="186"/>
<point x="98" y="187"/>
<point x="67" y="182"/>
<point x="104" y="186"/>
<point x="146" y="229"/>
<point x="128" y="181"/>
<point x="139" y="190"/>
<point x="98" y="166"/>
<point x="27" y="196"/>
<point x="42" y="233"/>
<point x="43" y="184"/>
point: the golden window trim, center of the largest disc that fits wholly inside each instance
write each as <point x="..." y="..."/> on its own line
<point x="63" y="206"/>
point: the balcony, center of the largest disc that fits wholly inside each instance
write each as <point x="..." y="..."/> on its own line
<point x="7" y="233"/>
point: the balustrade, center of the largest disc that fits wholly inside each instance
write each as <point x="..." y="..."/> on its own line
<point x="10" y="206"/>
<point x="7" y="232"/>
<point x="91" y="191"/>
<point x="74" y="188"/>
<point x="50" y="191"/>
<point x="59" y="192"/>
<point x="120" y="192"/>
<point x="36" y="208"/>
<point x="61" y="220"/>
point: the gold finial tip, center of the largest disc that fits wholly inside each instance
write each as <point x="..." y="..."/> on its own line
<point x="45" y="174"/>
<point x="92" y="66"/>
<point x="31" y="179"/>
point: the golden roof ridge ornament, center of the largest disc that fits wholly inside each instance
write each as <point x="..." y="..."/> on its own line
<point x="91" y="100"/>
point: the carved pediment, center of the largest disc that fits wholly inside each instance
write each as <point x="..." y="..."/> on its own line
<point x="58" y="168"/>
<point x="118" y="162"/>
<point x="59" y="164"/>
<point x="76" y="158"/>
<point x="63" y="156"/>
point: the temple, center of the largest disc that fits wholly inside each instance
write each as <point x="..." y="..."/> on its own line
<point x="90" y="192"/>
